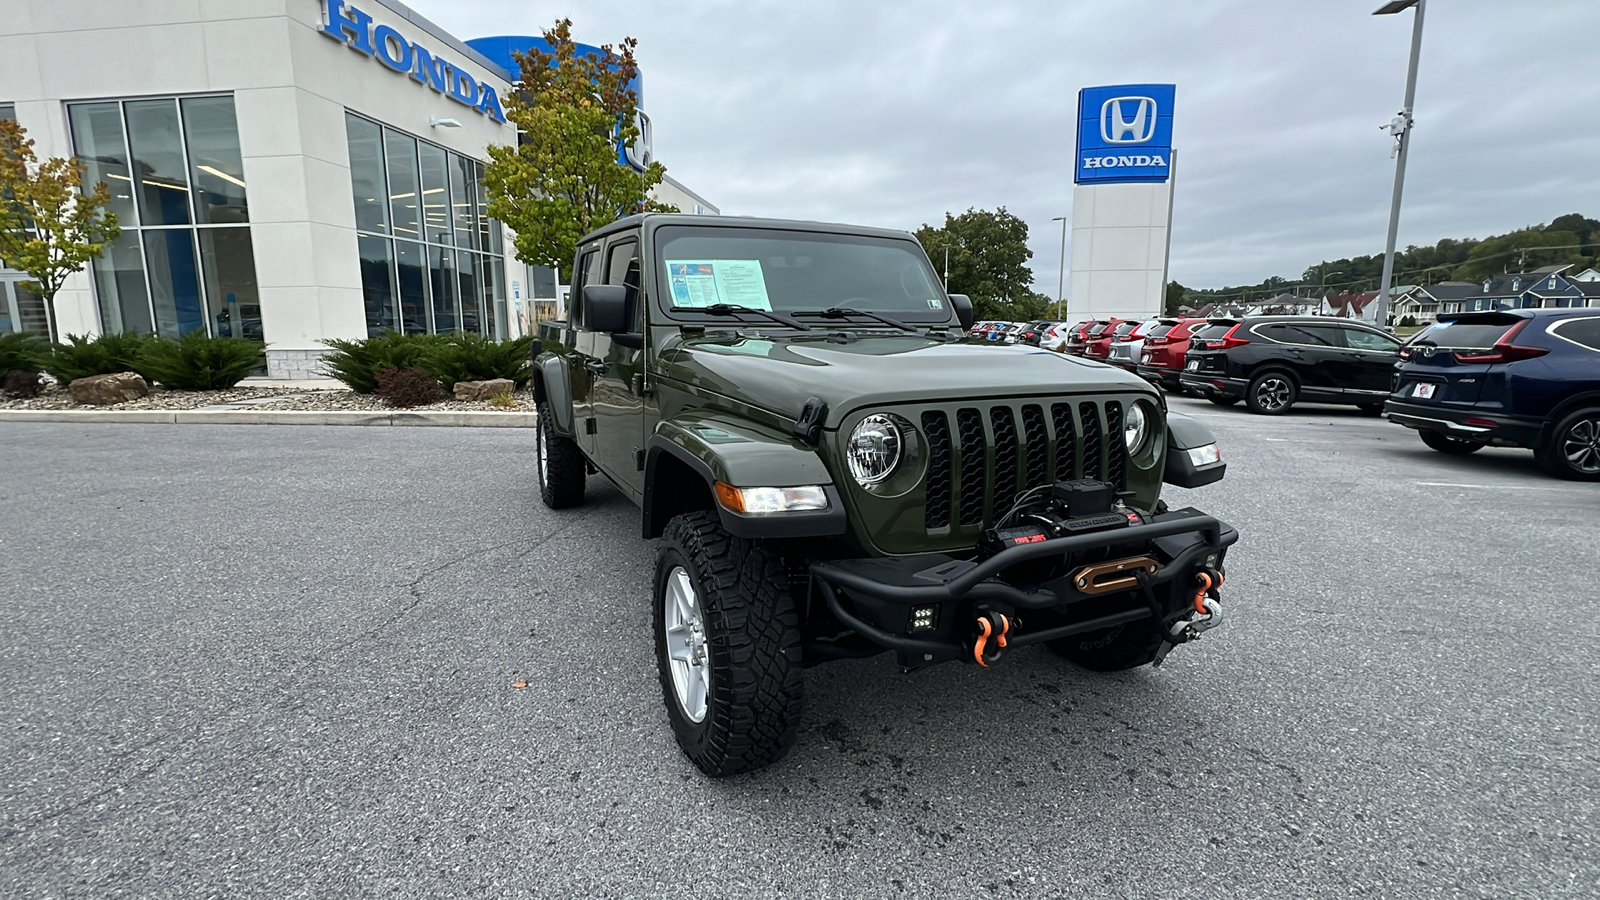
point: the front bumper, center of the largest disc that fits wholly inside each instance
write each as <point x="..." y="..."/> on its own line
<point x="1042" y="584"/>
<point x="1472" y="425"/>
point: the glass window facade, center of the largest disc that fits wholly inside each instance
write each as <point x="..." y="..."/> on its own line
<point x="432" y="260"/>
<point x="184" y="261"/>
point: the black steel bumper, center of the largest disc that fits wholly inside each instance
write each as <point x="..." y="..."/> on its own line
<point x="879" y="599"/>
<point x="1473" y="424"/>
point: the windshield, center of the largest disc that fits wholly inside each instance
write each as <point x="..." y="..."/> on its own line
<point x="1467" y="335"/>
<point x="1160" y="331"/>
<point x="1125" y="329"/>
<point x="1214" y="331"/>
<point x="796" y="271"/>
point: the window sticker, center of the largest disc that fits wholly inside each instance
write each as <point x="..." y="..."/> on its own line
<point x="707" y="282"/>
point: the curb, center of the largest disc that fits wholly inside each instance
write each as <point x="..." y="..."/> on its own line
<point x="452" y="418"/>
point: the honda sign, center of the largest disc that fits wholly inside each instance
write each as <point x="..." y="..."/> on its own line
<point x="1124" y="133"/>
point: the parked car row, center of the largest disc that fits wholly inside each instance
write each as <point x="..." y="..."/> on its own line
<point x="1518" y="378"/>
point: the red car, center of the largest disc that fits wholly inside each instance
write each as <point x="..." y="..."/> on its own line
<point x="1100" y="337"/>
<point x="1161" y="358"/>
<point x="1078" y="342"/>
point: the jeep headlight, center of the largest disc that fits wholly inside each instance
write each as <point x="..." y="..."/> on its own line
<point x="1135" y="428"/>
<point x="874" y="449"/>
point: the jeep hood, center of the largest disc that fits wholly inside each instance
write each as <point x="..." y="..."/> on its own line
<point x="779" y="373"/>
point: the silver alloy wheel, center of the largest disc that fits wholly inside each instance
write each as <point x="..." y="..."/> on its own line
<point x="542" y="454"/>
<point x="1581" y="445"/>
<point x="688" y="656"/>
<point x="1272" y="393"/>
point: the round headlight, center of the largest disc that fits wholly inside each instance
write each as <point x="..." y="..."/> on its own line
<point x="874" y="449"/>
<point x="1136" y="428"/>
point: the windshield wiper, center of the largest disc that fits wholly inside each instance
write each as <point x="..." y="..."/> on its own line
<point x="725" y="309"/>
<point x="840" y="312"/>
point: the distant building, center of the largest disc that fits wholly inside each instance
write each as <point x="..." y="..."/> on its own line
<point x="1345" y="305"/>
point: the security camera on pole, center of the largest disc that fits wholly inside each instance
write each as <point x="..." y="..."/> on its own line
<point x="1400" y="128"/>
<point x="1122" y="204"/>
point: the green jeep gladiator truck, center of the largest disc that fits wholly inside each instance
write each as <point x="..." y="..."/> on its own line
<point x="834" y="471"/>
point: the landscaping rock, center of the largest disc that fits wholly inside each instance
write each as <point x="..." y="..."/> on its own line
<point x="483" y="390"/>
<point x="105" y="390"/>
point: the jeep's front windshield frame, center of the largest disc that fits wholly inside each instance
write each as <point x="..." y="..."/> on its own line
<point x="803" y="271"/>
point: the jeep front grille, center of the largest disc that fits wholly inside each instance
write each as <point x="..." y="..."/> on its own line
<point x="975" y="474"/>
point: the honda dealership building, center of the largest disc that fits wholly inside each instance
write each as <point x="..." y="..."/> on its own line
<point x="283" y="170"/>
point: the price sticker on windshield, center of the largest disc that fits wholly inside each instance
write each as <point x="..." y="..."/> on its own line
<point x="707" y="282"/>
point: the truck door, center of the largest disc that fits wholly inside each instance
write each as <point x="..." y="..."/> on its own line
<point x="580" y="355"/>
<point x="618" y="378"/>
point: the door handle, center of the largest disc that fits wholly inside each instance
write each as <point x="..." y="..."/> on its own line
<point x="595" y="366"/>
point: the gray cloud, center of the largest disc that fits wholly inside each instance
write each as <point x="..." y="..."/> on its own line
<point x="893" y="114"/>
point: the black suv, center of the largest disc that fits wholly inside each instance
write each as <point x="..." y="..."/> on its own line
<point x="1522" y="378"/>
<point x="1272" y="361"/>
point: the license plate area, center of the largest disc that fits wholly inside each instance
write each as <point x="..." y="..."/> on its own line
<point x="1192" y="365"/>
<point x="1424" y="390"/>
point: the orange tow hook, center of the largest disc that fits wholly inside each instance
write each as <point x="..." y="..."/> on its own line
<point x="1200" y="595"/>
<point x="995" y="625"/>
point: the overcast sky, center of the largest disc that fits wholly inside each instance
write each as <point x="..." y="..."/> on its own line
<point x="891" y="114"/>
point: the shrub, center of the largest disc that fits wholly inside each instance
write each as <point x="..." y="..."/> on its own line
<point x="357" y="363"/>
<point x="1408" y="322"/>
<point x="22" y="383"/>
<point x="196" y="362"/>
<point x="468" y="357"/>
<point x="414" y="386"/>
<point x="22" y="352"/>
<point x="81" y="357"/>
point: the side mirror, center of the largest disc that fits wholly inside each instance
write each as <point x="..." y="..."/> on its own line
<point x="963" y="305"/>
<point x="605" y="308"/>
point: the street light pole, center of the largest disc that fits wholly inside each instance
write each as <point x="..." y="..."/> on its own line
<point x="1061" y="272"/>
<point x="1400" y="127"/>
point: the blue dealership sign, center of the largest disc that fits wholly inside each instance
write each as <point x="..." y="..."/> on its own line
<point x="1124" y="133"/>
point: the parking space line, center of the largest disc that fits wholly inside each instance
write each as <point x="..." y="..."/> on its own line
<point x="1489" y="487"/>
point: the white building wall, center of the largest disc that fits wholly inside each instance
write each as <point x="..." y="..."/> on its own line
<point x="291" y="85"/>
<point x="1120" y="238"/>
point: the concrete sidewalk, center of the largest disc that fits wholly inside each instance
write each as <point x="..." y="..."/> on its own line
<point x="227" y="416"/>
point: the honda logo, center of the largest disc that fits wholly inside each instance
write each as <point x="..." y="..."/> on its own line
<point x="1128" y="120"/>
<point x="1423" y="350"/>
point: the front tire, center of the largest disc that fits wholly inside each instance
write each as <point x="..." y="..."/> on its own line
<point x="559" y="463"/>
<point x="1125" y="646"/>
<point x="1271" y="394"/>
<point x="1444" y="443"/>
<point x="1573" y="449"/>
<point x="727" y="647"/>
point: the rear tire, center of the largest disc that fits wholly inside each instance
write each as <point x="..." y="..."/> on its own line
<point x="1444" y="443"/>
<point x="1573" y="448"/>
<point x="1222" y="401"/>
<point x="1125" y="646"/>
<point x="559" y="463"/>
<point x="731" y="666"/>
<point x="1271" y="394"/>
<point x="1370" y="409"/>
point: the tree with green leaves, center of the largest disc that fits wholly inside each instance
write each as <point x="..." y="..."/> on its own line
<point x="1521" y="251"/>
<point x="1173" y="298"/>
<point x="988" y="261"/>
<point x="562" y="179"/>
<point x="49" y="226"/>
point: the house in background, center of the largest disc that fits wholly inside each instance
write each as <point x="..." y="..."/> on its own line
<point x="1345" y="305"/>
<point x="1423" y="303"/>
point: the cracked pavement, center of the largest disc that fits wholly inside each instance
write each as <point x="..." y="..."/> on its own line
<point x="278" y="662"/>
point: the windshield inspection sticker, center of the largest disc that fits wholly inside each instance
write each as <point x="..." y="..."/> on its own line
<point x="707" y="282"/>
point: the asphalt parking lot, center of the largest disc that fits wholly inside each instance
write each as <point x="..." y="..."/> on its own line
<point x="279" y="662"/>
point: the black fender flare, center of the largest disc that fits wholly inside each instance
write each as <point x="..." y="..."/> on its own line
<point x="552" y="387"/>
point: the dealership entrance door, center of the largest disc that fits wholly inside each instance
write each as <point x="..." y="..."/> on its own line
<point x="20" y="308"/>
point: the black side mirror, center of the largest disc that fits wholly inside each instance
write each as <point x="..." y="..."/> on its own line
<point x="963" y="305"/>
<point x="605" y="308"/>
